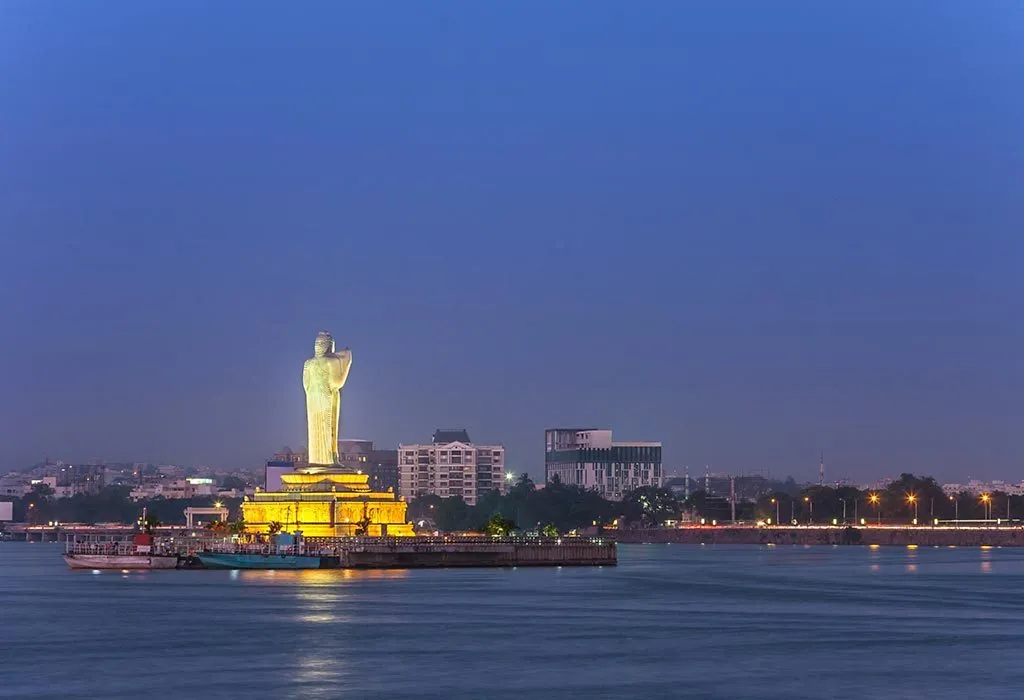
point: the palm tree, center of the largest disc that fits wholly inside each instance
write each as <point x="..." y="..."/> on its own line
<point x="364" y="526"/>
<point x="499" y="526"/>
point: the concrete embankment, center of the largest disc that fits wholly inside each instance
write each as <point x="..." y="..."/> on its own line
<point x="417" y="553"/>
<point x="414" y="555"/>
<point x="895" y="536"/>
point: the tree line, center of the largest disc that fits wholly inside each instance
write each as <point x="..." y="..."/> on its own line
<point x="112" y="504"/>
<point x="561" y="508"/>
<point x="566" y="507"/>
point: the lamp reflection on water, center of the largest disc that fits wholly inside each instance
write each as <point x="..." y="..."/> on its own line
<point x="986" y="560"/>
<point x="911" y="567"/>
<point x="316" y="577"/>
<point x="321" y="592"/>
<point x="317" y="677"/>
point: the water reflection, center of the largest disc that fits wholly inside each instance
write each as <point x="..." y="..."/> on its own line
<point x="321" y="594"/>
<point x="317" y="676"/>
<point x="986" y="560"/>
<point x="375" y="573"/>
<point x="320" y="597"/>
<point x="316" y="577"/>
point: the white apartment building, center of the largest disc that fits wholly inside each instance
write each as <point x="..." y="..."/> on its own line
<point x="451" y="465"/>
<point x="587" y="457"/>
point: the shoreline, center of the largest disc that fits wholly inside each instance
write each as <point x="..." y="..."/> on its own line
<point x="923" y="536"/>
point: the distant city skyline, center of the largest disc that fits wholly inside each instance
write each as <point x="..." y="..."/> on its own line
<point x="753" y="236"/>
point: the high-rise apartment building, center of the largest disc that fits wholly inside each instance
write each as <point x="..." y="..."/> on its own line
<point x="451" y="465"/>
<point x="587" y="457"/>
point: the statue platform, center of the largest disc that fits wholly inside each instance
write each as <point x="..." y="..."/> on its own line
<point x="324" y="501"/>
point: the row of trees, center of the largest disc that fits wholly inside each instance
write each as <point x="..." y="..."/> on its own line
<point x="909" y="497"/>
<point x="109" y="505"/>
<point x="560" y="508"/>
<point x="556" y="508"/>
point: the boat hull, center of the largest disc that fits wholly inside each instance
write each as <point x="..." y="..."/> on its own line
<point x="216" y="560"/>
<point x="117" y="561"/>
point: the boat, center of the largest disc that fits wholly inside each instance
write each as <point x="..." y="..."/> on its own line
<point x="139" y="553"/>
<point x="246" y="560"/>
<point x="283" y="551"/>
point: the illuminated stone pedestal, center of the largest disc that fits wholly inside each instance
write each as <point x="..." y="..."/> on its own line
<point x="324" y="503"/>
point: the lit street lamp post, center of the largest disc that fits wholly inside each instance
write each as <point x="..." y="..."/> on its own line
<point x="776" y="502"/>
<point x="810" y="503"/>
<point x="956" y="509"/>
<point x="986" y="501"/>
<point x="874" y="499"/>
<point x="912" y="498"/>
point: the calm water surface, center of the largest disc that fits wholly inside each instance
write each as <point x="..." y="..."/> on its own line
<point x="670" y="621"/>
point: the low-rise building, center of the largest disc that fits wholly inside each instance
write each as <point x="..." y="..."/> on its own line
<point x="14" y="485"/>
<point x="194" y="487"/>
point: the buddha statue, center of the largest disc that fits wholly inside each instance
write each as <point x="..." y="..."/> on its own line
<point x="323" y="377"/>
<point x="321" y="498"/>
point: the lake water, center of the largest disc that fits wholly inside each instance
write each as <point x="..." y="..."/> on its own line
<point x="670" y="621"/>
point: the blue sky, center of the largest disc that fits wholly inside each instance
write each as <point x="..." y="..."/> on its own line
<point x="754" y="231"/>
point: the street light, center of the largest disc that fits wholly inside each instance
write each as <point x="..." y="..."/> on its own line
<point x="809" y="502"/>
<point x="956" y="509"/>
<point x="912" y="498"/>
<point x="986" y="501"/>
<point x="776" y="502"/>
<point x="873" y="499"/>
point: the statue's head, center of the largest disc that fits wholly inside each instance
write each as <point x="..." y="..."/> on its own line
<point x="323" y="344"/>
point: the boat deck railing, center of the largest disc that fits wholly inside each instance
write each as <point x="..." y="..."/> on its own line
<point x="455" y="539"/>
<point x="256" y="548"/>
<point x="333" y="546"/>
<point x="116" y="548"/>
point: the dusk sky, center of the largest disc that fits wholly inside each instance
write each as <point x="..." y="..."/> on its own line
<point x="755" y="231"/>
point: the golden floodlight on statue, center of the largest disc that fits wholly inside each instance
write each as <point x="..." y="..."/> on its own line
<point x="321" y="498"/>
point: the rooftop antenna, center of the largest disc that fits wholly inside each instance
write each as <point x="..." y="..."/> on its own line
<point x="821" y="471"/>
<point x="686" y="482"/>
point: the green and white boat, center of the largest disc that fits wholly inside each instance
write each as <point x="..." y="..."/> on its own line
<point x="286" y="552"/>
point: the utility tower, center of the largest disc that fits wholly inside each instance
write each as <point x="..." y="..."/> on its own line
<point x="821" y="471"/>
<point x="732" y="496"/>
